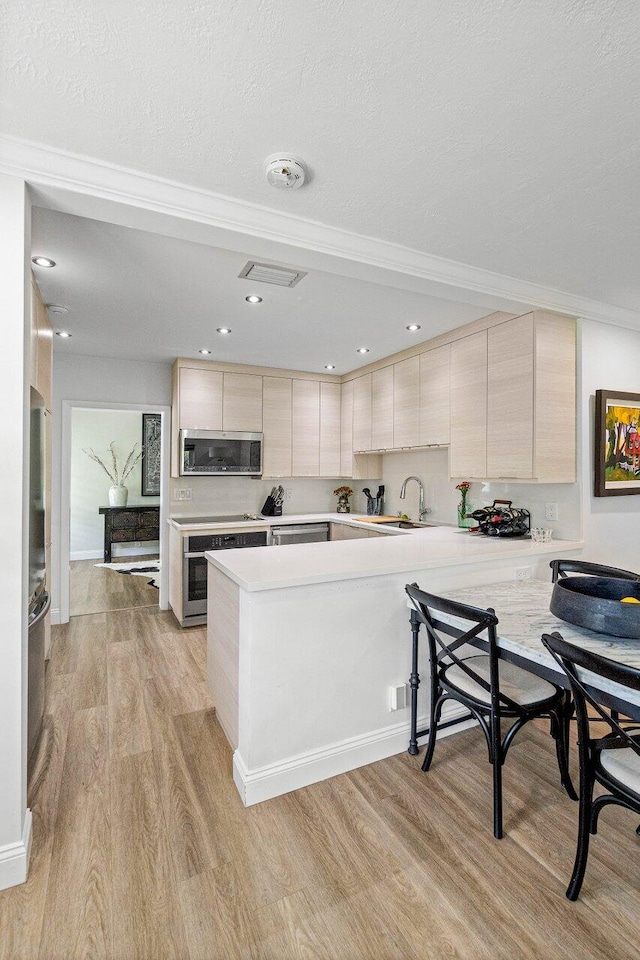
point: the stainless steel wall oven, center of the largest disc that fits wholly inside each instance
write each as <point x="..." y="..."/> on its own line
<point x="194" y="570"/>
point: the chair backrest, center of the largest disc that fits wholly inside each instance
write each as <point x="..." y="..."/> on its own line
<point x="577" y="663"/>
<point x="560" y="568"/>
<point x="444" y="639"/>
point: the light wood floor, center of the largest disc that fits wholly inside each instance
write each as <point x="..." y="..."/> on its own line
<point x="95" y="589"/>
<point x="143" y="850"/>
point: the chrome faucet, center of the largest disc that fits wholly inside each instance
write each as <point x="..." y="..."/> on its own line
<point x="403" y="492"/>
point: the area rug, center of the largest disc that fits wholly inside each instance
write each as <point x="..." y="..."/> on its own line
<point x="136" y="568"/>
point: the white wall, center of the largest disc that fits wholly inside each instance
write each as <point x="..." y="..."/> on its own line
<point x="15" y="819"/>
<point x="610" y="360"/>
<point x="90" y="485"/>
<point x="96" y="379"/>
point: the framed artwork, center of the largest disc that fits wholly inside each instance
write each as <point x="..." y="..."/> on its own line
<point x="617" y="446"/>
<point x="151" y="454"/>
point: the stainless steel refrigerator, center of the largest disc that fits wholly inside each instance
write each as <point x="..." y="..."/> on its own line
<point x="39" y="600"/>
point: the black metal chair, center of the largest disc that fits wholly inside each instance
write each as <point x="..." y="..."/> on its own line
<point x="560" y="568"/>
<point x="490" y="688"/>
<point x="612" y="760"/>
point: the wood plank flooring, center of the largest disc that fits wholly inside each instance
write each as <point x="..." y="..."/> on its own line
<point x="96" y="590"/>
<point x="143" y="851"/>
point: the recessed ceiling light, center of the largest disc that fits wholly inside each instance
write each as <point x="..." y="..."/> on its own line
<point x="329" y="366"/>
<point x="413" y="327"/>
<point x="43" y="262"/>
<point x="253" y="299"/>
<point x="224" y="330"/>
<point x="56" y="308"/>
<point x="63" y="334"/>
<point x="204" y="351"/>
<point x="363" y="349"/>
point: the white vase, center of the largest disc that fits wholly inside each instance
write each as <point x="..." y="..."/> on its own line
<point x="118" y="495"/>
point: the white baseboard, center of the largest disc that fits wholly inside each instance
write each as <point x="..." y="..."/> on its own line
<point x="14" y="857"/>
<point x="274" y="779"/>
<point x="151" y="546"/>
<point x="55" y="615"/>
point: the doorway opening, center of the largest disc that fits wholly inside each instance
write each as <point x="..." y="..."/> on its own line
<point x="115" y="483"/>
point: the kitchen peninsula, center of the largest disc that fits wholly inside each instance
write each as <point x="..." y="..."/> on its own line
<point x="304" y="643"/>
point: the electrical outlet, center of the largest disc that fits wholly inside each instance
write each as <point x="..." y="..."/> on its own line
<point x="398" y="697"/>
<point x="522" y="573"/>
<point x="288" y="493"/>
<point x="182" y="493"/>
<point x="551" y="512"/>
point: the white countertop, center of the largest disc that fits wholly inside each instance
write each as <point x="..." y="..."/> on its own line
<point x="182" y="523"/>
<point x="270" y="568"/>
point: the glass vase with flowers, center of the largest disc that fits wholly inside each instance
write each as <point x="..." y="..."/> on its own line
<point x="464" y="507"/>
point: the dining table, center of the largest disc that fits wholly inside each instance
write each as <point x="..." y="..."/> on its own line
<point x="522" y="608"/>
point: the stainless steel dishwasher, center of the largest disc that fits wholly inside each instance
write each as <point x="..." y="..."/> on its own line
<point x="299" y="533"/>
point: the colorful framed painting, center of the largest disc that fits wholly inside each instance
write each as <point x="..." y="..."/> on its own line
<point x="617" y="446"/>
<point x="151" y="426"/>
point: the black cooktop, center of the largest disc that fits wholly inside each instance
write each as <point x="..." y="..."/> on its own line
<point x="236" y="518"/>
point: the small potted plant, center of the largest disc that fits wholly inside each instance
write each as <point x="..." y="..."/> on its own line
<point x="463" y="507"/>
<point x="343" y="494"/>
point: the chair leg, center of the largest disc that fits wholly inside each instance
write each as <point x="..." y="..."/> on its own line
<point x="435" y="708"/>
<point x="560" y="730"/>
<point x="584" y="832"/>
<point x="496" y="762"/>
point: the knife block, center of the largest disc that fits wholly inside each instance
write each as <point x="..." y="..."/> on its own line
<point x="270" y="508"/>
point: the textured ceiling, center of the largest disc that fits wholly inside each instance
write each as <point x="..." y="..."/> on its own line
<point x="499" y="134"/>
<point x="138" y="295"/>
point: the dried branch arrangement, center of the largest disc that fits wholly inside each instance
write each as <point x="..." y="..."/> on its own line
<point x="116" y="475"/>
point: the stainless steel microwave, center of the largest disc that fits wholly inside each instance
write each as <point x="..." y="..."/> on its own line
<point x="208" y="453"/>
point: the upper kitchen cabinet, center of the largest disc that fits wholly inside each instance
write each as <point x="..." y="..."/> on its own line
<point x="435" y="399"/>
<point x="468" y="452"/>
<point x="200" y="399"/>
<point x="41" y="347"/>
<point x="242" y="402"/>
<point x="381" y="409"/>
<point x="362" y="413"/>
<point x="406" y="403"/>
<point x="306" y="428"/>
<point x="513" y="401"/>
<point x="277" y="416"/>
<point x="330" y="430"/>
<point x="354" y="466"/>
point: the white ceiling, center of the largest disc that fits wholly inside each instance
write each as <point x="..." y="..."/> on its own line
<point x="501" y="135"/>
<point x="138" y="295"/>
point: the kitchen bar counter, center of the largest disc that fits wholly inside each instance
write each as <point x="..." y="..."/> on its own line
<point x="413" y="550"/>
<point x="305" y="642"/>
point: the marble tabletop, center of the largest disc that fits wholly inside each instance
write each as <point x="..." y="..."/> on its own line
<point x="522" y="609"/>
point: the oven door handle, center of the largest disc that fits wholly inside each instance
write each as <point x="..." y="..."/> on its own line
<point x="192" y="556"/>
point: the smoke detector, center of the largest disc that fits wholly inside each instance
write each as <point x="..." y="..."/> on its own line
<point x="284" y="172"/>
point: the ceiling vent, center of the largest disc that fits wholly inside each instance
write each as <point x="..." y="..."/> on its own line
<point x="265" y="273"/>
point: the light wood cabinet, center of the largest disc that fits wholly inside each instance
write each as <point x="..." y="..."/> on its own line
<point x="330" y="449"/>
<point x="362" y="413"/>
<point x="435" y="390"/>
<point x="200" y="401"/>
<point x="406" y="403"/>
<point x="510" y="399"/>
<point x="354" y="466"/>
<point x="277" y="426"/>
<point x="306" y="428"/>
<point x="382" y="409"/>
<point x="513" y="401"/>
<point x="468" y="453"/>
<point x="242" y="402"/>
<point x="341" y="531"/>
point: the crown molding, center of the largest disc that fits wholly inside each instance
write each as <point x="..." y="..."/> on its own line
<point x="48" y="170"/>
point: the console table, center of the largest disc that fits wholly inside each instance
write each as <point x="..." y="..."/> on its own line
<point x="128" y="524"/>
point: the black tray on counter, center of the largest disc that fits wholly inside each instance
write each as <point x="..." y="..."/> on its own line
<point x="595" y="603"/>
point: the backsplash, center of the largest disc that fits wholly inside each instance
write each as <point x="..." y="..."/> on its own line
<point x="219" y="496"/>
<point x="432" y="466"/>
